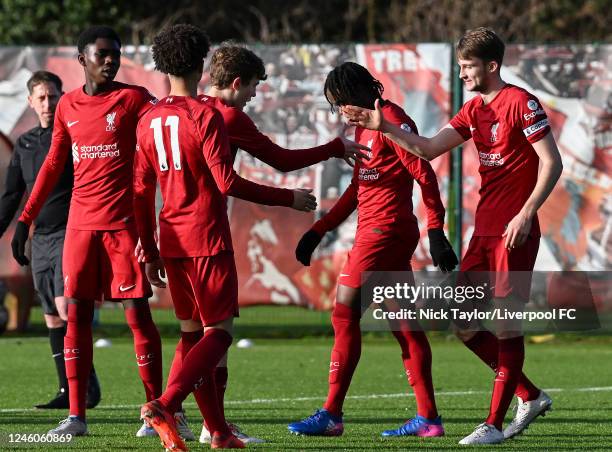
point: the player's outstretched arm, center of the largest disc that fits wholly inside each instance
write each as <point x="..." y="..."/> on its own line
<point x="243" y="133"/>
<point x="551" y="167"/>
<point x="345" y="205"/>
<point x="15" y="187"/>
<point x="426" y="148"/>
<point x="215" y="147"/>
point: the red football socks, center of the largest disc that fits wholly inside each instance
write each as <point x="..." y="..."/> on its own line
<point x="510" y="362"/>
<point x="344" y="357"/>
<point x="147" y="345"/>
<point x="188" y="339"/>
<point x="220" y="385"/>
<point x="197" y="372"/>
<point x="485" y="345"/>
<point x="78" y="354"/>
<point x="416" y="354"/>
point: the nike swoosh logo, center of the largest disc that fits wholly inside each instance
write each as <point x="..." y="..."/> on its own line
<point x="55" y="355"/>
<point x="68" y="359"/>
<point x="140" y="365"/>
<point x="344" y="274"/>
<point x="71" y="123"/>
<point x="123" y="289"/>
<point x="333" y="370"/>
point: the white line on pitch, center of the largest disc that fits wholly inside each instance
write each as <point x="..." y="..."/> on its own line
<point x="306" y="399"/>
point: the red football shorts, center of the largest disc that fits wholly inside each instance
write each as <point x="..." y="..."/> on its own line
<point x="374" y="253"/>
<point x="509" y="271"/>
<point x="203" y="288"/>
<point x="101" y="265"/>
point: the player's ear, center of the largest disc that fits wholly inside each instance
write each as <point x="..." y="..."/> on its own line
<point x="492" y="66"/>
<point x="81" y="58"/>
<point x="236" y="83"/>
<point x="30" y="102"/>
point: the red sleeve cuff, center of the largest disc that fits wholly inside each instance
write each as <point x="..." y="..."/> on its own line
<point x="319" y="228"/>
<point x="25" y="219"/>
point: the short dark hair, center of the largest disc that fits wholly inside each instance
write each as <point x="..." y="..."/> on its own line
<point x="180" y="49"/>
<point x="352" y="84"/>
<point x="481" y="43"/>
<point x="90" y="35"/>
<point x="231" y="61"/>
<point x="39" y="77"/>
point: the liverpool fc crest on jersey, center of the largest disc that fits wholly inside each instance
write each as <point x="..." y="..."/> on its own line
<point x="110" y="121"/>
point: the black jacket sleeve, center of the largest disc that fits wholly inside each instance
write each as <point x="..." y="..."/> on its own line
<point x="14" y="189"/>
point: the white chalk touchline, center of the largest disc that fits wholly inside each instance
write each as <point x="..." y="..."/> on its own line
<point x="322" y="397"/>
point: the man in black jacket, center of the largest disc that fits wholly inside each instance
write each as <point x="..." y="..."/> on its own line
<point x="30" y="150"/>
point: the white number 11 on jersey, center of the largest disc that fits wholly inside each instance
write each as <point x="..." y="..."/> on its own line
<point x="156" y="125"/>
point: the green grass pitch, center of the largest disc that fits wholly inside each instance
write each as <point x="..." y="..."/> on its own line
<point x="281" y="380"/>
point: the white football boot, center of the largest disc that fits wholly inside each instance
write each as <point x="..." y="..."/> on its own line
<point x="246" y="439"/>
<point x="145" y="430"/>
<point x="183" y="427"/>
<point x="526" y="413"/>
<point x="72" y="425"/>
<point x="483" y="434"/>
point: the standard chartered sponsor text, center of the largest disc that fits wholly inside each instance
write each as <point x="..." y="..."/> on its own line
<point x="98" y="151"/>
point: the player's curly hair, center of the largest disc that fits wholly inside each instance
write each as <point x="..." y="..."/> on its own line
<point x="352" y="84"/>
<point x="231" y="61"/>
<point x="90" y="35"/>
<point x="180" y="49"/>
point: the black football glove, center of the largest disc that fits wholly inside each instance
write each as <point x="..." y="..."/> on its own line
<point x="22" y="232"/>
<point x="441" y="251"/>
<point x="306" y="246"/>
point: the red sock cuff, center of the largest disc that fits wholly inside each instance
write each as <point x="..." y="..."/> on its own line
<point x="138" y="314"/>
<point x="220" y="335"/>
<point x="81" y="312"/>
<point x="192" y="337"/>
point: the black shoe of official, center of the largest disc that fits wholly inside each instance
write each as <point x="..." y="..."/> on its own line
<point x="59" y="402"/>
<point x="93" y="390"/>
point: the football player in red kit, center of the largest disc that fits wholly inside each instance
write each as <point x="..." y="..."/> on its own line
<point x="235" y="72"/>
<point x="387" y="235"/>
<point x="95" y="125"/>
<point x="512" y="135"/>
<point x="182" y="142"/>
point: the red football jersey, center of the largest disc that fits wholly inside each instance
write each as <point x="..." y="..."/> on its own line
<point x="99" y="132"/>
<point x="503" y="131"/>
<point x="182" y="141"/>
<point x="382" y="187"/>
<point x="244" y="134"/>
